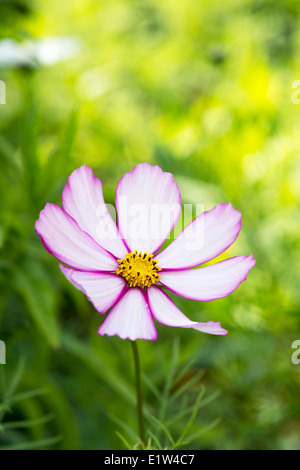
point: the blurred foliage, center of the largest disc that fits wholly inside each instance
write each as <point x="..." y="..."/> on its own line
<point x="202" y="89"/>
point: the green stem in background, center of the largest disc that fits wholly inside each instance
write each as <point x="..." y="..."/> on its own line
<point x="139" y="396"/>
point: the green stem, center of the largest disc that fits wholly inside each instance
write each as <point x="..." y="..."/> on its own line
<point x="139" y="396"/>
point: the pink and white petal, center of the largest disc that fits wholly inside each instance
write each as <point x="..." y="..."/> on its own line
<point x="211" y="282"/>
<point x="166" y="312"/>
<point x="206" y="237"/>
<point x="130" y="318"/>
<point x="67" y="272"/>
<point x="102" y="289"/>
<point x="82" y="199"/>
<point x="148" y="203"/>
<point x="63" y="238"/>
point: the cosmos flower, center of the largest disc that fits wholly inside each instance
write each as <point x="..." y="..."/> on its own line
<point x="121" y="268"/>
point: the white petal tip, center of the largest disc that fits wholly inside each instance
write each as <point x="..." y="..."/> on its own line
<point x="129" y="337"/>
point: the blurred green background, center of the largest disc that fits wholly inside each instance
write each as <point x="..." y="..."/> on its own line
<point x="203" y="89"/>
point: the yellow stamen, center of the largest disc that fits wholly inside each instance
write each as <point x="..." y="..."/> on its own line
<point x="139" y="269"/>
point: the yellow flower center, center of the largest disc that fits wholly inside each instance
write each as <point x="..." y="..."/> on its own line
<point x="139" y="269"/>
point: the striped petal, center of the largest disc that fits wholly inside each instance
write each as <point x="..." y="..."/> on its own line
<point x="148" y="203"/>
<point x="82" y="199"/>
<point x="63" y="238"/>
<point x="130" y="318"/>
<point x="102" y="289"/>
<point x="211" y="282"/>
<point x="206" y="237"/>
<point x="167" y="313"/>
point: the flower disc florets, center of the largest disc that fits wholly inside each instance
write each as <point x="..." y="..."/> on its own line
<point x="139" y="269"/>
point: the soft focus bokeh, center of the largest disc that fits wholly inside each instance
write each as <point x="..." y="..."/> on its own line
<point x="205" y="90"/>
